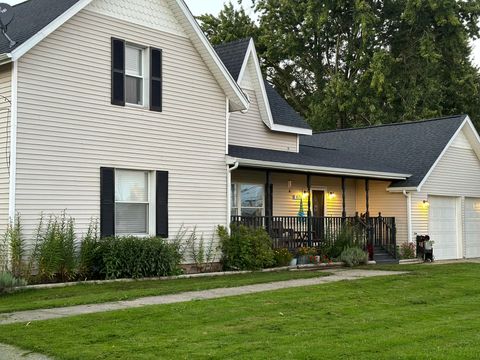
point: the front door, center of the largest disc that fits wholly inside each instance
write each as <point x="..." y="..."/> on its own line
<point x="318" y="212"/>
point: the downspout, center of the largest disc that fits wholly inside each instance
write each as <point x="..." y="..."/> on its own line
<point x="408" y="195"/>
<point x="229" y="192"/>
<point x="13" y="144"/>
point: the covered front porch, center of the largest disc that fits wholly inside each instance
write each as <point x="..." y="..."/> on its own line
<point x="305" y="209"/>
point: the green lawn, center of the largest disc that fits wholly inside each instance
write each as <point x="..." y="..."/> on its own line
<point x="431" y="313"/>
<point x="92" y="293"/>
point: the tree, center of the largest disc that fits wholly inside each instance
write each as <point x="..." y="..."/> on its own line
<point x="230" y="24"/>
<point x="343" y="63"/>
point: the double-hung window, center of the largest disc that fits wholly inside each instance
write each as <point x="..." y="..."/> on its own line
<point x="248" y="199"/>
<point x="137" y="75"/>
<point x="132" y="202"/>
<point x="134" y="75"/>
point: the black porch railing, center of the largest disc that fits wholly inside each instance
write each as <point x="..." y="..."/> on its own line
<point x="293" y="232"/>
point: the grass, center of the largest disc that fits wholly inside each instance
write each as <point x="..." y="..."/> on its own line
<point x="92" y="293"/>
<point x="431" y="313"/>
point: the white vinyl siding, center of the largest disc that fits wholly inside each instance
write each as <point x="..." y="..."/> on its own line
<point x="249" y="130"/>
<point x="5" y="122"/>
<point x="67" y="128"/>
<point x="456" y="175"/>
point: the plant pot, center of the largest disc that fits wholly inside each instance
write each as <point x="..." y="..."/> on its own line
<point x="303" y="260"/>
<point x="293" y="262"/>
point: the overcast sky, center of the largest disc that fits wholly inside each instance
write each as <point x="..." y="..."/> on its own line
<point x="199" y="7"/>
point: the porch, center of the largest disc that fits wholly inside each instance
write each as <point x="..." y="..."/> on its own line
<point x="299" y="210"/>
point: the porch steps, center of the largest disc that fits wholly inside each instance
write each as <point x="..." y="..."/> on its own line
<point x="382" y="257"/>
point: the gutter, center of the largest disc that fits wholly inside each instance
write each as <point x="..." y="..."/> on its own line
<point x="317" y="169"/>
<point x="230" y="169"/>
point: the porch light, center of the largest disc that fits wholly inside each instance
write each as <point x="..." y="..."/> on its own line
<point x="425" y="204"/>
<point x="332" y="195"/>
<point x="289" y="184"/>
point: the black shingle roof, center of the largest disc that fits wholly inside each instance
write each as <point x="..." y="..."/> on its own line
<point x="282" y="112"/>
<point x="31" y="17"/>
<point x="233" y="55"/>
<point x="404" y="148"/>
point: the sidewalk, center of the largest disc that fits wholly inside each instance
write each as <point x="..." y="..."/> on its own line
<point x="46" y="314"/>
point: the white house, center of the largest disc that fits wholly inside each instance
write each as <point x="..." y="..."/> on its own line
<point x="123" y="111"/>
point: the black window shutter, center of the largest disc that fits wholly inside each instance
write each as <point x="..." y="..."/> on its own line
<point x="107" y="202"/>
<point x="118" y="72"/>
<point x="162" y="204"/>
<point x="156" y="82"/>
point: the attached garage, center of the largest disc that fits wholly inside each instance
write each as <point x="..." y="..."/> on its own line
<point x="444" y="227"/>
<point x="472" y="227"/>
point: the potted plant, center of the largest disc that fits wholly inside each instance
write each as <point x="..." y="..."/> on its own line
<point x="306" y="255"/>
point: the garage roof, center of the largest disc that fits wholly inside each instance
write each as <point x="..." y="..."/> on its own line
<point x="410" y="148"/>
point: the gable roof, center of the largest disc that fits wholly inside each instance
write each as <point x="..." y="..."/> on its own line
<point x="233" y="55"/>
<point x="36" y="19"/>
<point x="282" y="116"/>
<point x="410" y="148"/>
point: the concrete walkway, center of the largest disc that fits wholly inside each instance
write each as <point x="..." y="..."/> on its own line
<point x="46" y="314"/>
<point x="8" y="352"/>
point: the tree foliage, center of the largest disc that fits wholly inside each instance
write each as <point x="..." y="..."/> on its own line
<point x="343" y="63"/>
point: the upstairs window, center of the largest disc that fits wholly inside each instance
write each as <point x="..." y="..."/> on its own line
<point x="134" y="75"/>
<point x="137" y="75"/>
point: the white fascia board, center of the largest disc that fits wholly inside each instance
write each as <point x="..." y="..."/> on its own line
<point x="440" y="157"/>
<point x="402" y="189"/>
<point x="47" y="30"/>
<point x="241" y="102"/>
<point x="291" y="129"/>
<point x="252" y="54"/>
<point x="316" y="169"/>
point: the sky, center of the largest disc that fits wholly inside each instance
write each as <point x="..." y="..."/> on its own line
<point x="199" y="7"/>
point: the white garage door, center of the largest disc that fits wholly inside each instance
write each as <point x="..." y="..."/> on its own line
<point x="472" y="227"/>
<point x="443" y="227"/>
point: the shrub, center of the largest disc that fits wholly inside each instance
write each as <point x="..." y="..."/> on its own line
<point x="282" y="257"/>
<point x="349" y="236"/>
<point x="8" y="281"/>
<point x="353" y="256"/>
<point x="407" y="250"/>
<point x="245" y="248"/>
<point x="133" y="257"/>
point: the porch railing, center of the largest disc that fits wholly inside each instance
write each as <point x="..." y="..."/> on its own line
<point x="293" y="232"/>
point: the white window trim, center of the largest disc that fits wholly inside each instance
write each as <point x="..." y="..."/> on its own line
<point x="239" y="198"/>
<point x="145" y="76"/>
<point x="151" y="188"/>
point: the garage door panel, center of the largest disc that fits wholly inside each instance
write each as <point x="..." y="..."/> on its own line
<point x="443" y="227"/>
<point x="472" y="227"/>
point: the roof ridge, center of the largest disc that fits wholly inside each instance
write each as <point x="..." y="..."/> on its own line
<point x="394" y="124"/>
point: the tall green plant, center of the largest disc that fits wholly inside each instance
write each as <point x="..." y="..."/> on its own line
<point x="89" y="262"/>
<point x="17" y="246"/>
<point x="203" y="255"/>
<point x="56" y="255"/>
